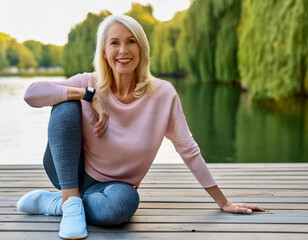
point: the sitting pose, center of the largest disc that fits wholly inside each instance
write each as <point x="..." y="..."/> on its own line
<point x="104" y="131"/>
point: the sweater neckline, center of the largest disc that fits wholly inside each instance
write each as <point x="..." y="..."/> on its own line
<point x="125" y="104"/>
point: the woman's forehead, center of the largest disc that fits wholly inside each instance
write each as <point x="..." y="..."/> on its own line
<point x="117" y="30"/>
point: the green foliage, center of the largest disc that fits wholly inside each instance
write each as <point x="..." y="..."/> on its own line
<point x="144" y="15"/>
<point x="167" y="53"/>
<point x="51" y="55"/>
<point x="79" y="51"/>
<point x="25" y="58"/>
<point x="12" y="52"/>
<point x="3" y="60"/>
<point x="36" y="49"/>
<point x="29" y="54"/>
<point x="226" y="42"/>
<point x="211" y="39"/>
<point x="273" y="48"/>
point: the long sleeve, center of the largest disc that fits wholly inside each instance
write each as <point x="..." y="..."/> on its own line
<point x="44" y="93"/>
<point x="181" y="137"/>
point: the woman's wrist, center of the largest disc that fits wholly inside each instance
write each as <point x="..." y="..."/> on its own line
<point x="217" y="195"/>
<point x="75" y="93"/>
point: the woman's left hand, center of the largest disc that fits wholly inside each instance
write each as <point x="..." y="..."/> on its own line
<point x="240" y="208"/>
<point x="103" y="116"/>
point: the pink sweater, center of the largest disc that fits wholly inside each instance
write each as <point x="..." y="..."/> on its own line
<point x="135" y="131"/>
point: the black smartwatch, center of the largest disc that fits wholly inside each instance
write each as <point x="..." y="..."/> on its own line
<point x="89" y="94"/>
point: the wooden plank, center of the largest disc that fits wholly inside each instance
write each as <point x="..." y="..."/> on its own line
<point x="173" y="202"/>
<point x="167" y="227"/>
<point x="233" y="199"/>
<point x="156" y="235"/>
<point x="208" y="217"/>
<point x="234" y="179"/>
<point x="193" y="193"/>
<point x="47" y="184"/>
<point x="197" y="216"/>
<point x="10" y="207"/>
<point x="187" y="205"/>
<point x="177" y="180"/>
<point x="286" y="172"/>
<point x="182" y="166"/>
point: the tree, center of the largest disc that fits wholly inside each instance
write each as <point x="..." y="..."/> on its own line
<point x="78" y="53"/>
<point x="12" y="52"/>
<point x="143" y="15"/>
<point x="36" y="48"/>
<point x="25" y="58"/>
<point x="167" y="54"/>
<point x="210" y="28"/>
<point x="3" y="60"/>
<point x="273" y="49"/>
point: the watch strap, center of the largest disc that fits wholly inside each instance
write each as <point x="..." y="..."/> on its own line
<point x="89" y="94"/>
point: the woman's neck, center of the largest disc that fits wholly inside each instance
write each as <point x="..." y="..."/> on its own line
<point x="123" y="87"/>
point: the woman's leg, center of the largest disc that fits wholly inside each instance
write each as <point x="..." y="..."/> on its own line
<point x="110" y="203"/>
<point x="63" y="160"/>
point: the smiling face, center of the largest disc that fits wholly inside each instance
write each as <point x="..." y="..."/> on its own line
<point x="121" y="50"/>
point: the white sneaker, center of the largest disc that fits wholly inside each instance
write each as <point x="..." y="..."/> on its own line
<point x="73" y="224"/>
<point x="41" y="202"/>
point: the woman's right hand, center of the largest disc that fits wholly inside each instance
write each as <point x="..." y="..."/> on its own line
<point x="103" y="116"/>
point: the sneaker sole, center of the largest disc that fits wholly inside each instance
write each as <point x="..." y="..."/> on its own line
<point x="84" y="235"/>
<point x="24" y="197"/>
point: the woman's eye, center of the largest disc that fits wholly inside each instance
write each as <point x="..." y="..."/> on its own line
<point x="132" y="41"/>
<point x="114" y="43"/>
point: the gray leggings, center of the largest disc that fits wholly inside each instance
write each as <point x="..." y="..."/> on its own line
<point x="108" y="203"/>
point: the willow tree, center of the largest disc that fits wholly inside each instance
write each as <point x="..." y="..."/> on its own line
<point x="211" y="39"/>
<point x="273" y="48"/>
<point x="167" y="51"/>
<point x="144" y="15"/>
<point x="79" y="51"/>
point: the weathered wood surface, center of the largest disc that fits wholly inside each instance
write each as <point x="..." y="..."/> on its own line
<point x="174" y="206"/>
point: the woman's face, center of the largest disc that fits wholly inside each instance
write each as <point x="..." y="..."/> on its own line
<point x="121" y="49"/>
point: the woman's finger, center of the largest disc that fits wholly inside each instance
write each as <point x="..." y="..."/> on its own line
<point x="103" y="129"/>
<point x="243" y="210"/>
<point x="101" y="122"/>
<point x="254" y="207"/>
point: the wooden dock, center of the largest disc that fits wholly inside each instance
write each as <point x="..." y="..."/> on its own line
<point x="174" y="206"/>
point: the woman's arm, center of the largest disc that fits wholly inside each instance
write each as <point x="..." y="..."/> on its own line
<point x="178" y="132"/>
<point x="228" y="206"/>
<point x="75" y="93"/>
<point x="45" y="93"/>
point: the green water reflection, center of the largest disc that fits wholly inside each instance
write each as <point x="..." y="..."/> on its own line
<point x="230" y="128"/>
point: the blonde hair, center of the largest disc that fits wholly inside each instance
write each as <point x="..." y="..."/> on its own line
<point x="144" y="81"/>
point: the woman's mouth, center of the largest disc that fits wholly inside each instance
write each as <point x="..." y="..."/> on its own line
<point x="124" y="60"/>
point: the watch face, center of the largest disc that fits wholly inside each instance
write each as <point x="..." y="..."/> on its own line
<point x="90" y="89"/>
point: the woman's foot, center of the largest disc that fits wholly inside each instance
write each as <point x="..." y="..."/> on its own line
<point x="41" y="202"/>
<point x="73" y="224"/>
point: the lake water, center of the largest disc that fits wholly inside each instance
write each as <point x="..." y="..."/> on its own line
<point x="225" y="124"/>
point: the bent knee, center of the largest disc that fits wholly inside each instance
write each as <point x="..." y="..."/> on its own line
<point x="68" y="112"/>
<point x="104" y="211"/>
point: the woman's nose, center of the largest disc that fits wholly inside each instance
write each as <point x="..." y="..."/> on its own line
<point x="123" y="48"/>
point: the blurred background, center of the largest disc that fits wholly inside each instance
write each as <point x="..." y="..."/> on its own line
<point x="240" y="68"/>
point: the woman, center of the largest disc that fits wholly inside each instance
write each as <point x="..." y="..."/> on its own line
<point x="100" y="148"/>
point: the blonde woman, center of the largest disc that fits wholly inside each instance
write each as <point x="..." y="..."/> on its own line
<point x="104" y="132"/>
